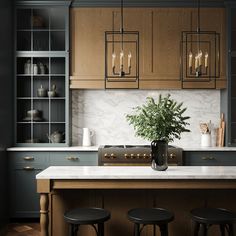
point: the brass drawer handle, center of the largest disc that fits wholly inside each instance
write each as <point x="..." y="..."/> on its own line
<point x="208" y="158"/>
<point x="28" y="158"/>
<point x="72" y="158"/>
<point x="28" y="168"/>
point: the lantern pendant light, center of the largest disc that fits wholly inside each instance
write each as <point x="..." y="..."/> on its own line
<point x="200" y="53"/>
<point x="121" y="53"/>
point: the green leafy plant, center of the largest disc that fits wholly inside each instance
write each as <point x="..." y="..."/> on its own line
<point x="163" y="120"/>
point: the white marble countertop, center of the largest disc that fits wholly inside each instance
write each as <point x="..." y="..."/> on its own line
<point x="55" y="149"/>
<point x="137" y="172"/>
<point x="95" y="148"/>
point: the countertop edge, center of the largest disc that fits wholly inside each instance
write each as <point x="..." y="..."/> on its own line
<point x="95" y="149"/>
<point x="55" y="149"/>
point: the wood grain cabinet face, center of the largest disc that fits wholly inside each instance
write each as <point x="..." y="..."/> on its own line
<point x="88" y="26"/>
<point x="159" y="46"/>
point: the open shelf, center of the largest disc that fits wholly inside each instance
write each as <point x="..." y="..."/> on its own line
<point x="41" y="73"/>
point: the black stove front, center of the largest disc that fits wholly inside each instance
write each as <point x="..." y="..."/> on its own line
<point x="112" y="155"/>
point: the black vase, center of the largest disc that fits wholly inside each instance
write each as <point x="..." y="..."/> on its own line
<point x="159" y="155"/>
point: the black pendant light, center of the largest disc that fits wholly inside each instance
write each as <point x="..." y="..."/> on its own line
<point x="121" y="53"/>
<point x="200" y="54"/>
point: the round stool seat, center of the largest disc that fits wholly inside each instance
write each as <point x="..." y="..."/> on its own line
<point x="213" y="216"/>
<point x="150" y="215"/>
<point x="83" y="216"/>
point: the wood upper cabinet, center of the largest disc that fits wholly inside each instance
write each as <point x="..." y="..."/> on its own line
<point x="160" y="47"/>
<point x="88" y="26"/>
<point x="159" y="44"/>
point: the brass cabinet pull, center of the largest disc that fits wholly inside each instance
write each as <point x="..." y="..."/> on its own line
<point x="28" y="158"/>
<point x="28" y="168"/>
<point x="72" y="158"/>
<point x="208" y="158"/>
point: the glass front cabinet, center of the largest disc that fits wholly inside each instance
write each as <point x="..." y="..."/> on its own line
<point x="42" y="73"/>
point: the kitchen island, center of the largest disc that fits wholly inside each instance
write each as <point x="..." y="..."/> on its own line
<point x="119" y="189"/>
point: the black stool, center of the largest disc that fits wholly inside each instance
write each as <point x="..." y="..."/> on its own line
<point x="206" y="217"/>
<point x="150" y="216"/>
<point x="87" y="216"/>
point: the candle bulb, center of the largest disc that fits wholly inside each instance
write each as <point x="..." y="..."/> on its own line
<point x="129" y="59"/>
<point x="121" y="59"/>
<point x="206" y="59"/>
<point x="196" y="61"/>
<point x="113" y="59"/>
<point x="190" y="59"/>
<point x="200" y="58"/>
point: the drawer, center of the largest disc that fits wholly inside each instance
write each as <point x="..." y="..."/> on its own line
<point x="210" y="158"/>
<point x="74" y="158"/>
<point x="28" y="158"/>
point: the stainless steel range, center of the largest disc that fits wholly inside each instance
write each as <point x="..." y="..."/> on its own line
<point x="111" y="155"/>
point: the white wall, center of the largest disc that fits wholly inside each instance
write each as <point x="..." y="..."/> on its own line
<point x="104" y="112"/>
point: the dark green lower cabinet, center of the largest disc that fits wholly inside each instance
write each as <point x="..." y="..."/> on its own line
<point x="209" y="158"/>
<point x="23" y="168"/>
<point x="24" y="197"/>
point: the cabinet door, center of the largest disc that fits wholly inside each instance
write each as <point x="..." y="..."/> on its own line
<point x="210" y="158"/>
<point x="160" y="48"/>
<point x="232" y="77"/>
<point x="74" y="158"/>
<point x="88" y="26"/>
<point x="24" y="198"/>
<point x="23" y="168"/>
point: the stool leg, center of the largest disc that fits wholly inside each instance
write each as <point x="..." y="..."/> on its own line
<point x="136" y="229"/>
<point x="231" y="230"/>
<point x="71" y="228"/>
<point x="154" y="230"/>
<point x="101" y="229"/>
<point x="196" y="228"/>
<point x="164" y="229"/>
<point x="204" y="229"/>
<point x="222" y="230"/>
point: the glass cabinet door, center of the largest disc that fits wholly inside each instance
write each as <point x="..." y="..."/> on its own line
<point x="41" y="29"/>
<point x="41" y="75"/>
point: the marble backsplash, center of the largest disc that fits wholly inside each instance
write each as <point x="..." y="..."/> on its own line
<point x="103" y="111"/>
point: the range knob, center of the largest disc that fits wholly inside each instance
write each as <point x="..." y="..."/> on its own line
<point x="138" y="156"/>
<point x="145" y="156"/>
<point x="172" y="155"/>
<point x="126" y="156"/>
<point x="106" y="156"/>
<point x="132" y="156"/>
<point x="113" y="156"/>
<point x="150" y="155"/>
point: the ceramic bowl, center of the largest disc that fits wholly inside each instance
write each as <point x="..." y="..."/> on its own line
<point x="33" y="113"/>
<point x="52" y="93"/>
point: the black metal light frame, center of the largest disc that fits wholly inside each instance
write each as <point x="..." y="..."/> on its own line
<point x="213" y="72"/>
<point x="125" y="76"/>
<point x="112" y="74"/>
<point x="198" y="37"/>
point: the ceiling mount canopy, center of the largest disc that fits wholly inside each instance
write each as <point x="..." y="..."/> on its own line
<point x="200" y="53"/>
<point x="121" y="53"/>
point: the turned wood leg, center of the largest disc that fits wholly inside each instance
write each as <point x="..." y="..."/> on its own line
<point x="44" y="214"/>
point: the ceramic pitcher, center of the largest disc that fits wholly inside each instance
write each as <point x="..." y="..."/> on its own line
<point x="87" y="136"/>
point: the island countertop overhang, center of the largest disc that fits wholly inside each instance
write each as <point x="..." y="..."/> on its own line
<point x="138" y="173"/>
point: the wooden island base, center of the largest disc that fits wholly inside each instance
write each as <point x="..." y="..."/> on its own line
<point x="179" y="196"/>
